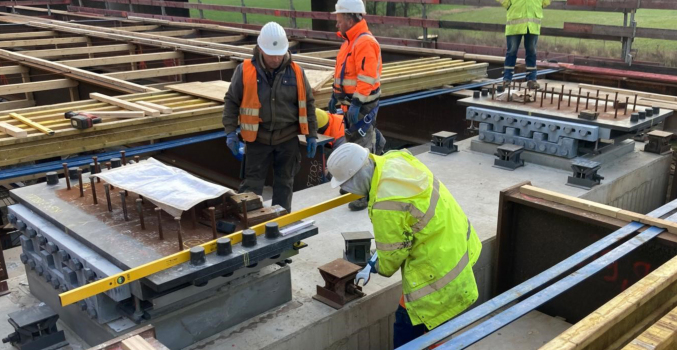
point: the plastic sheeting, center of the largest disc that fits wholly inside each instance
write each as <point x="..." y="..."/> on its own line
<point x="170" y="188"/>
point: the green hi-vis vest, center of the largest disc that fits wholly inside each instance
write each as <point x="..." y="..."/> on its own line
<point x="524" y="15"/>
<point x="419" y="227"/>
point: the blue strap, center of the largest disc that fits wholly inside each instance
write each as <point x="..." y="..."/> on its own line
<point x="362" y="125"/>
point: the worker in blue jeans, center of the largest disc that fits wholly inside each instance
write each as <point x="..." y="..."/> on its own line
<point x="523" y="21"/>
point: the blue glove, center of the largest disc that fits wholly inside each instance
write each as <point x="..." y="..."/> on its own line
<point x="312" y="146"/>
<point x="233" y="143"/>
<point x="372" y="263"/>
<point x="354" y="112"/>
<point x="332" y="104"/>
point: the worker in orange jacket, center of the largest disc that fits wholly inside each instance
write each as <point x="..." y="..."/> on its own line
<point x="271" y="101"/>
<point x="331" y="125"/>
<point x="357" y="80"/>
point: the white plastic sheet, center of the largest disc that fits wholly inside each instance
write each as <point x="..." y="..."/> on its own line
<point x="170" y="188"/>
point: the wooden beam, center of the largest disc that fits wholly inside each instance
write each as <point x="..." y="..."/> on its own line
<point x="13" y="130"/>
<point x="27" y="35"/>
<point x="9" y="105"/>
<point x="139" y="28"/>
<point x="76" y="73"/>
<point x="322" y="54"/>
<point x="105" y="61"/>
<point x="13" y="70"/>
<point x="131" y="106"/>
<point x="181" y="32"/>
<point x="660" y="336"/>
<point x="136" y="343"/>
<point x="162" y="72"/>
<point x="77" y="51"/>
<point x="118" y="114"/>
<point x="36" y="86"/>
<point x="162" y="109"/>
<point x="42" y="42"/>
<point x="222" y="39"/>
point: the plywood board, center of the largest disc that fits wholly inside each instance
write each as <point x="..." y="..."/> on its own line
<point x="212" y="90"/>
<point x="317" y="78"/>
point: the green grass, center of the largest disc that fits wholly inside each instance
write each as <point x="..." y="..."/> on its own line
<point x="648" y="49"/>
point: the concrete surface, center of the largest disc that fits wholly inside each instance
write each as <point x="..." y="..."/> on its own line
<point x="305" y="323"/>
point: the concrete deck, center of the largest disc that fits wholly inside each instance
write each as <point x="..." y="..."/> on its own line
<point x="305" y="323"/>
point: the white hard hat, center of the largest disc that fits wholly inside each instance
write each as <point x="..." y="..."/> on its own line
<point x="345" y="162"/>
<point x="273" y="40"/>
<point x="350" y="6"/>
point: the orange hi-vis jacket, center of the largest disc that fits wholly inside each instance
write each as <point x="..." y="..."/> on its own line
<point x="358" y="66"/>
<point x="249" y="109"/>
<point x="335" y="127"/>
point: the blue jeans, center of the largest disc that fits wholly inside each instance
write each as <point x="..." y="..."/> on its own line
<point x="530" y="41"/>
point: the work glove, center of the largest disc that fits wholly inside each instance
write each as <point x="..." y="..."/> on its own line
<point x="354" y="112"/>
<point x="312" y="146"/>
<point x="233" y="143"/>
<point x="332" y="104"/>
<point x="366" y="272"/>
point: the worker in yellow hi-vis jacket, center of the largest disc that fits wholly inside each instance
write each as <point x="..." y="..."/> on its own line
<point x="419" y="228"/>
<point x="523" y="21"/>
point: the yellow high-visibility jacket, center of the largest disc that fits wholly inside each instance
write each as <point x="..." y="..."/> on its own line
<point x="419" y="227"/>
<point x="524" y="15"/>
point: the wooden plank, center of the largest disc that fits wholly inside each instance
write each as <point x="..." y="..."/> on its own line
<point x="629" y="92"/>
<point x="117" y="114"/>
<point x="620" y="315"/>
<point x="124" y="104"/>
<point x="322" y="54"/>
<point x="657" y="103"/>
<point x="42" y="42"/>
<point x="215" y="91"/>
<point x="162" y="109"/>
<point x="76" y="73"/>
<point x="27" y="35"/>
<point x="105" y="61"/>
<point x="13" y="70"/>
<point x="5" y="106"/>
<point x="13" y="130"/>
<point x="222" y="39"/>
<point x="166" y="71"/>
<point x="660" y="336"/>
<point x="76" y="51"/>
<point x="37" y="86"/>
<point x="136" y="343"/>
<point x="181" y="32"/>
<point x="570" y="201"/>
<point x="139" y="28"/>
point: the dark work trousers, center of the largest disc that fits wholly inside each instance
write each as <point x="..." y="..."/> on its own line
<point x="404" y="331"/>
<point x="286" y="159"/>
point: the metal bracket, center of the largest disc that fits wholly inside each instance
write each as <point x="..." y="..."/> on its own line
<point x="339" y="287"/>
<point x="443" y="143"/>
<point x="509" y="157"/>
<point x="659" y="142"/>
<point x="35" y="328"/>
<point x="585" y="174"/>
<point x="358" y="247"/>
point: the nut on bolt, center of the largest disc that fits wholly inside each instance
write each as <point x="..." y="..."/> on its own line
<point x="89" y="274"/>
<point x="52" y="248"/>
<point x="41" y="239"/>
<point x="63" y="255"/>
<point x="76" y="264"/>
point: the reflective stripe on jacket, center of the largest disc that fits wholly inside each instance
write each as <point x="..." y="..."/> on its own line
<point x="524" y="16"/>
<point x="419" y="227"/>
<point x="251" y="106"/>
<point x="358" y="66"/>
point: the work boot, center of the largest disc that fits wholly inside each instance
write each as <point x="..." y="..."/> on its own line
<point x="533" y="84"/>
<point x="342" y="192"/>
<point x="359" y="204"/>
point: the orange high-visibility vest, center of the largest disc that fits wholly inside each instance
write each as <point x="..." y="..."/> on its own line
<point x="249" y="109"/>
<point x="335" y="127"/>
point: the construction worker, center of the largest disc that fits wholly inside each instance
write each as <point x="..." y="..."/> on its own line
<point x="418" y="227"/>
<point x="271" y="101"/>
<point x="331" y="125"/>
<point x="357" y="75"/>
<point x="523" y="21"/>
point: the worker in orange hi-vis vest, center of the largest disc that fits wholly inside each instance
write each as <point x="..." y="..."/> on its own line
<point x="357" y="80"/>
<point x="271" y="102"/>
